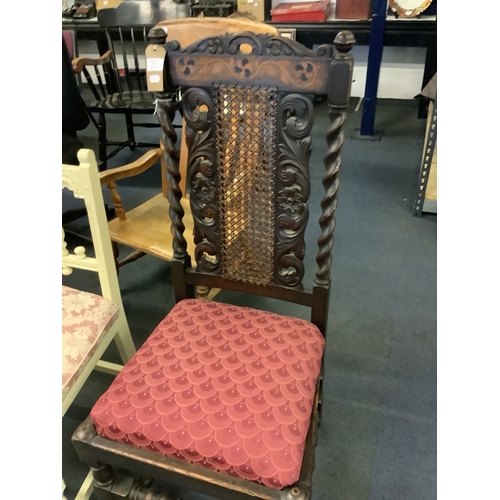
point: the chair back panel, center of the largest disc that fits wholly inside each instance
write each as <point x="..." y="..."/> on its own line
<point x="248" y="123"/>
<point x="245" y="146"/>
<point x="249" y="182"/>
<point x="128" y="44"/>
<point x="83" y="181"/>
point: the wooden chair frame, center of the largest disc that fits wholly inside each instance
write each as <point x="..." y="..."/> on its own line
<point x="328" y="73"/>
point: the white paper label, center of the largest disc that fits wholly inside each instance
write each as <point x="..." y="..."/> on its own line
<point x="154" y="78"/>
<point x="155" y="64"/>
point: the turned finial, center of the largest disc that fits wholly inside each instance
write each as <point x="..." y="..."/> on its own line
<point x="344" y="42"/>
<point x="157" y="36"/>
<point x="297" y="491"/>
<point x="80" y="253"/>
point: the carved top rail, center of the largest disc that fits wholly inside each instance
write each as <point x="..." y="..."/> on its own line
<point x="291" y="66"/>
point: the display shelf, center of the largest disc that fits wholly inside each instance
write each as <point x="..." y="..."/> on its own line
<point x="426" y="198"/>
<point x="395" y="32"/>
<point x="398" y="32"/>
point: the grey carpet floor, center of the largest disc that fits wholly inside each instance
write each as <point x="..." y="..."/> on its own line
<point x="378" y="436"/>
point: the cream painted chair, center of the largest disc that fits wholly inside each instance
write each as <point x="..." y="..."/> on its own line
<point x="90" y="322"/>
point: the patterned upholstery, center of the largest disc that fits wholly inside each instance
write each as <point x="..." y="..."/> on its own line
<point x="86" y="318"/>
<point x="230" y="388"/>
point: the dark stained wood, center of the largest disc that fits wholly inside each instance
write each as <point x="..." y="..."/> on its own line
<point x="338" y="98"/>
<point x="290" y="66"/>
<point x="96" y="451"/>
<point x="209" y="160"/>
<point x="298" y="296"/>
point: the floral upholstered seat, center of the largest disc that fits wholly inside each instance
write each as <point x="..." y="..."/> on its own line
<point x="86" y="318"/>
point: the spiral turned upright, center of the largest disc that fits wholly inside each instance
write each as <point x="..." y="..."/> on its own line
<point x="332" y="161"/>
<point x="168" y="138"/>
<point x="338" y="98"/>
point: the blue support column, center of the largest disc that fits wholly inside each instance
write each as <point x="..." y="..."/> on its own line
<point x="373" y="71"/>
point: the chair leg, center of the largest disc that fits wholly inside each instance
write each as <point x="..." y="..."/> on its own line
<point x="86" y="489"/>
<point x="109" y="485"/>
<point x="116" y="254"/>
<point x="320" y="397"/>
<point x="103" y="150"/>
<point x="130" y="131"/>
<point x="131" y="257"/>
<point x="136" y="492"/>
<point x="204" y="292"/>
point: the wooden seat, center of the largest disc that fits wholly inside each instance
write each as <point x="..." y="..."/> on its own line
<point x="226" y="399"/>
<point x="145" y="228"/>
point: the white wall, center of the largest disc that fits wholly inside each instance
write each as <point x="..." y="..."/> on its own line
<point x="401" y="71"/>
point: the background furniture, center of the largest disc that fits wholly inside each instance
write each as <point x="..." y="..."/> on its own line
<point x="418" y="32"/>
<point x="90" y="322"/>
<point x="75" y="118"/>
<point x="74" y="113"/>
<point x="426" y="196"/>
<point x="249" y="179"/>
<point x="118" y="89"/>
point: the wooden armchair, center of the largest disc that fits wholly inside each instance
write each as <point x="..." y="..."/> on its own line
<point x="230" y="395"/>
<point x="90" y="322"/>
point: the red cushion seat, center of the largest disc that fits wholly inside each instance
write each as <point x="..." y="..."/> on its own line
<point x="230" y="388"/>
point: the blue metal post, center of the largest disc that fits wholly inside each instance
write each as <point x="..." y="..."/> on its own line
<point x="373" y="68"/>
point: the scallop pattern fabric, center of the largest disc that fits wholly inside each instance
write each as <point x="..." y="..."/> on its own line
<point x="229" y="388"/>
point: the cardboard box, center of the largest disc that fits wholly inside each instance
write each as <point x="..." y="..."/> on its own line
<point x="353" y="9"/>
<point x="107" y="4"/>
<point x="316" y="11"/>
<point x="254" y="7"/>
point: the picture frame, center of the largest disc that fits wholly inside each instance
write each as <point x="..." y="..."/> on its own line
<point x="408" y="8"/>
<point x="288" y="33"/>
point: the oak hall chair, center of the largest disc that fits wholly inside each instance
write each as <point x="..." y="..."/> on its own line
<point x="90" y="322"/>
<point x="226" y="399"/>
<point x="146" y="228"/>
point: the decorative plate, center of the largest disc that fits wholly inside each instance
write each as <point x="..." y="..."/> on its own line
<point x="409" y="8"/>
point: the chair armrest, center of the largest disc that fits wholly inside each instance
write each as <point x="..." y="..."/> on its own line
<point x="80" y="62"/>
<point x="109" y="177"/>
<point x="146" y="161"/>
